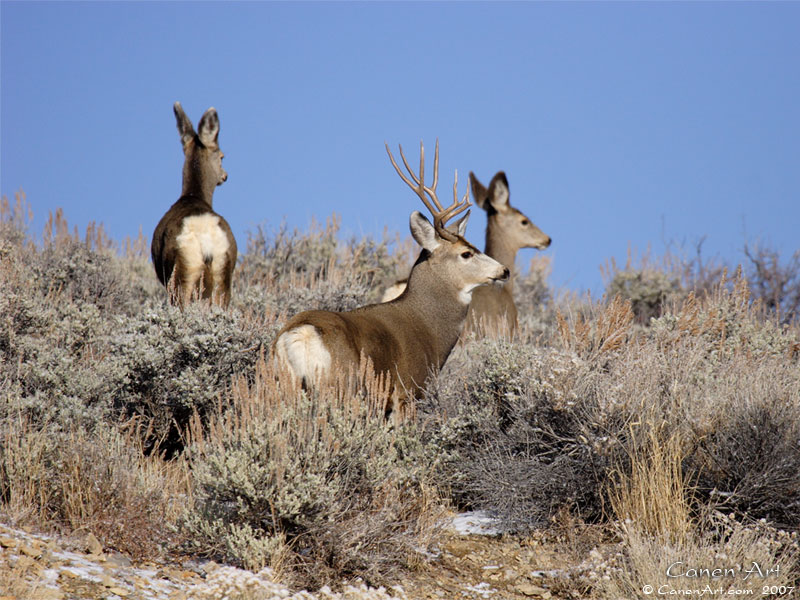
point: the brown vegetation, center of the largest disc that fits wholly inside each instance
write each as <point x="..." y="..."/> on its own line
<point x="629" y="445"/>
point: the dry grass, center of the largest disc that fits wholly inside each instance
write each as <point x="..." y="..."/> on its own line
<point x="604" y="330"/>
<point x="19" y="579"/>
<point x="695" y="414"/>
<point x="101" y="482"/>
<point x="716" y="552"/>
<point x="651" y="490"/>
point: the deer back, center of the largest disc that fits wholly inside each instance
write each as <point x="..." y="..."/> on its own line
<point x="193" y="249"/>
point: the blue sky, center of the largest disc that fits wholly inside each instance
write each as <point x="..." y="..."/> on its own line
<point x="618" y="124"/>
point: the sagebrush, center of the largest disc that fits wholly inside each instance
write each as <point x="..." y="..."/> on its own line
<point x="667" y="413"/>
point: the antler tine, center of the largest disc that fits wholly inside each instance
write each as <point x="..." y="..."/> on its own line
<point x="440" y="215"/>
<point x="418" y="186"/>
<point x="458" y="206"/>
<point x="435" y="168"/>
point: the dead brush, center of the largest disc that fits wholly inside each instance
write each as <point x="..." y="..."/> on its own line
<point x="100" y="482"/>
<point x="606" y="330"/>
<point x="651" y="490"/>
<point x="716" y="553"/>
<point x="21" y="579"/>
<point x="776" y="284"/>
<point x="16" y="218"/>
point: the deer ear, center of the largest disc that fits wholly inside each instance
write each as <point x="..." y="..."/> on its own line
<point x="185" y="127"/>
<point x="208" y="129"/>
<point x="498" y="192"/>
<point x="423" y="232"/>
<point x="479" y="192"/>
<point x="460" y="226"/>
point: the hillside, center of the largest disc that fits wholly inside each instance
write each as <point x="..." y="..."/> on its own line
<point x="643" y="439"/>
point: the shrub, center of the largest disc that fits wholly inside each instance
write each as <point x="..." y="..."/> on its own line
<point x="95" y="480"/>
<point x="315" y="486"/>
<point x="650" y="285"/>
<point x="14" y="221"/>
<point x="775" y="283"/>
<point x="748" y="462"/>
<point x="695" y="413"/>
<point x="649" y="291"/>
<point x="509" y="434"/>
<point x="743" y="552"/>
<point x="527" y="432"/>
<point x="314" y="270"/>
<point x="175" y="363"/>
<point x="534" y="300"/>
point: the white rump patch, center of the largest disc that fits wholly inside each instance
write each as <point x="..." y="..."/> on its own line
<point x="303" y="350"/>
<point x="202" y="241"/>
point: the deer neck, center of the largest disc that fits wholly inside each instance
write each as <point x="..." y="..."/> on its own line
<point x="437" y="307"/>
<point x="197" y="182"/>
<point x="500" y="249"/>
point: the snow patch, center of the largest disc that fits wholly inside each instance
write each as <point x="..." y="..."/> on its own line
<point x="478" y="522"/>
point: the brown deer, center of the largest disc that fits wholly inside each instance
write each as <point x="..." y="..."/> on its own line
<point x="493" y="310"/>
<point x="412" y="335"/>
<point x="507" y="231"/>
<point x="193" y="247"/>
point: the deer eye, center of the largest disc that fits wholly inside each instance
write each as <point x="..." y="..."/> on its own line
<point x="466" y="254"/>
<point x="524" y="222"/>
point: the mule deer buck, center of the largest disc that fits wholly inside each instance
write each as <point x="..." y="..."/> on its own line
<point x="193" y="247"/>
<point x="413" y="334"/>
<point x="508" y="230"/>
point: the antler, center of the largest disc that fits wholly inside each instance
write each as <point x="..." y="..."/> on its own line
<point x="440" y="215"/>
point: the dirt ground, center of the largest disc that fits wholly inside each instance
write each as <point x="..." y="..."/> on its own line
<point x="499" y="567"/>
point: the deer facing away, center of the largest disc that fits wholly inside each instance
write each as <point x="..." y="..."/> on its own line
<point x="193" y="247"/>
<point x="507" y="231"/>
<point x="412" y="335"/>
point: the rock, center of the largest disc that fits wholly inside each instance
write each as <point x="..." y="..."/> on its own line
<point x="33" y="551"/>
<point x="93" y="545"/>
<point x="534" y="591"/>
<point x="121" y="592"/>
<point x="67" y="574"/>
<point x="7" y="542"/>
<point x="118" y="560"/>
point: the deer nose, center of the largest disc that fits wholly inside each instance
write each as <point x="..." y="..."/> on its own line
<point x="506" y="273"/>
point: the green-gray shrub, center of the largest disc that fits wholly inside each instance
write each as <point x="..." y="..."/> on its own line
<point x="174" y="363"/>
<point x="319" y="489"/>
<point x="510" y="435"/>
<point x="648" y="289"/>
